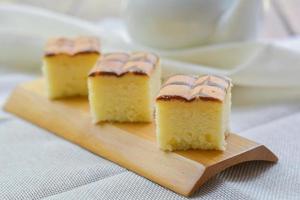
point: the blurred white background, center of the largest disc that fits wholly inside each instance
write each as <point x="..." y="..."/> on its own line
<point x="87" y="9"/>
<point x="281" y="16"/>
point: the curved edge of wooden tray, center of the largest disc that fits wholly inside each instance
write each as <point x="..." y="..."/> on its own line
<point x="182" y="172"/>
<point x="258" y="153"/>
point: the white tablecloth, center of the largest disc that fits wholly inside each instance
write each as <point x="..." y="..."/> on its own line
<point x="36" y="164"/>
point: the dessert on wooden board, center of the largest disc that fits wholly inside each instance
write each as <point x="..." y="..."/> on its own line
<point x="123" y="87"/>
<point x="66" y="64"/>
<point x="193" y="112"/>
<point x="129" y="145"/>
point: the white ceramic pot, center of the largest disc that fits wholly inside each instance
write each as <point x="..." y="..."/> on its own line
<point x="185" y="23"/>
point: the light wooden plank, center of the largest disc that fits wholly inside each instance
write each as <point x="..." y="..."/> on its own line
<point x="132" y="145"/>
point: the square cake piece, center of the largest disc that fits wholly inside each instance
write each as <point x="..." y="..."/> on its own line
<point x="66" y="65"/>
<point x="123" y="87"/>
<point x="193" y="112"/>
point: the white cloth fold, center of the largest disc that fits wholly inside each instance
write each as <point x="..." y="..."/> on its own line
<point x="24" y="30"/>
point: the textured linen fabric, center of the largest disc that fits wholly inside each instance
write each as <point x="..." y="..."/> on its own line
<point x="37" y="164"/>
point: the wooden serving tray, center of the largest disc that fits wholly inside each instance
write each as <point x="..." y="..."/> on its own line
<point x="130" y="145"/>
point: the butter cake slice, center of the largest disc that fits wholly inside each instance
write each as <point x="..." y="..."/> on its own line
<point x="66" y="65"/>
<point x="193" y="112"/>
<point x="122" y="87"/>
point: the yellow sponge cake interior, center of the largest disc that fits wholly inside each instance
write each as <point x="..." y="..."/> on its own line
<point x="193" y="113"/>
<point x="122" y="87"/>
<point x="67" y="63"/>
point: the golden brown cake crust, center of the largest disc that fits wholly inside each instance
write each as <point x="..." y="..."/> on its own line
<point x="119" y="64"/>
<point x="190" y="88"/>
<point x="72" y="46"/>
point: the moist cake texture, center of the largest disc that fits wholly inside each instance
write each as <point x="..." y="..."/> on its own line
<point x="123" y="86"/>
<point x="193" y="112"/>
<point x="66" y="65"/>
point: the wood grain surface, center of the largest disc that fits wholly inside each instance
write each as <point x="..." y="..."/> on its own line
<point x="130" y="145"/>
